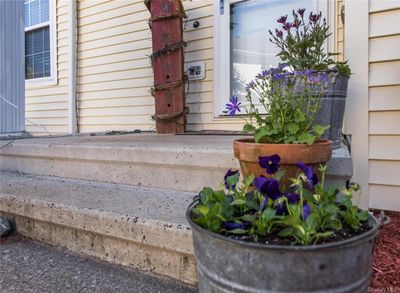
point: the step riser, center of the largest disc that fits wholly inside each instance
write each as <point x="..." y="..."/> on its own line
<point x="154" y="247"/>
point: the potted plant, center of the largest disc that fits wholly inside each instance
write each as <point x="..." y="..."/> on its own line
<point x="291" y="99"/>
<point x="302" y="239"/>
<point x="302" y="43"/>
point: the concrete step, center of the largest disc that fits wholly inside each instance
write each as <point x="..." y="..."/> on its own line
<point x="167" y="161"/>
<point x="176" y="162"/>
<point x="139" y="227"/>
<point x="29" y="266"/>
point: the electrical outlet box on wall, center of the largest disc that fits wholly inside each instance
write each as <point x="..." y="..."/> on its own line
<point x="196" y="70"/>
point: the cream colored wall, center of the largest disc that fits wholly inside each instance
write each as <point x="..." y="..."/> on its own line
<point x="384" y="104"/>
<point x="114" y="72"/>
<point x="47" y="105"/>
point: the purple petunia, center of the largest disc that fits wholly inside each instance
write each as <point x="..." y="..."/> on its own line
<point x="233" y="106"/>
<point x="230" y="173"/>
<point x="270" y="163"/>
<point x="312" y="178"/>
<point x="282" y="19"/>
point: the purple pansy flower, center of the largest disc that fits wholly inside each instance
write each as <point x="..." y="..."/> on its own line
<point x="282" y="19"/>
<point x="270" y="163"/>
<point x="292" y="197"/>
<point x="267" y="186"/>
<point x="301" y="11"/>
<point x="233" y="106"/>
<point x="312" y="178"/>
<point x="228" y="174"/>
<point x="306" y="210"/>
<point x="230" y="225"/>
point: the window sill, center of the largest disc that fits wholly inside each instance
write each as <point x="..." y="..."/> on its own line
<point x="40" y="82"/>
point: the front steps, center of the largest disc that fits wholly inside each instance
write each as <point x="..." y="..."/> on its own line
<point x="176" y="162"/>
<point x="185" y="163"/>
<point x="140" y="227"/>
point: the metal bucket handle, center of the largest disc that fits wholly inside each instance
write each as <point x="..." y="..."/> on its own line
<point x="383" y="219"/>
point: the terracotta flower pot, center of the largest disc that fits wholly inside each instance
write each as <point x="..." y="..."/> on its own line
<point x="248" y="152"/>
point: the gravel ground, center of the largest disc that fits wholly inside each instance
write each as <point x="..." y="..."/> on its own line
<point x="28" y="266"/>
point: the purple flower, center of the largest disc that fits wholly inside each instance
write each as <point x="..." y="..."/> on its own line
<point x="250" y="85"/>
<point x="230" y="225"/>
<point x="296" y="23"/>
<point x="292" y="197"/>
<point x="312" y="178"/>
<point x="301" y="11"/>
<point x="287" y="26"/>
<point x="314" y="17"/>
<point x="282" y="19"/>
<point x="263" y="74"/>
<point x="270" y="163"/>
<point x="230" y="173"/>
<point x="306" y="210"/>
<point x="267" y="186"/>
<point x="279" y="33"/>
<point x="281" y="208"/>
<point x="233" y="106"/>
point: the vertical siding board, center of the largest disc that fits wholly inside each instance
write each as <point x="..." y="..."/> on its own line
<point x="12" y="75"/>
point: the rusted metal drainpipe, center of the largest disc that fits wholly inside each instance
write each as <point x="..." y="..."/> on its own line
<point x="168" y="64"/>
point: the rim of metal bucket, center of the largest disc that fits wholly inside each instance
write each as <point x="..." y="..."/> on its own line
<point x="372" y="233"/>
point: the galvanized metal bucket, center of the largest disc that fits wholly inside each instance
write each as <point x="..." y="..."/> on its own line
<point x="227" y="265"/>
<point x="331" y="111"/>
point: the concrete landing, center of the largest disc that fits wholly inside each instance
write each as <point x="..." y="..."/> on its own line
<point x="176" y="162"/>
<point x="144" y="228"/>
<point x="28" y="266"/>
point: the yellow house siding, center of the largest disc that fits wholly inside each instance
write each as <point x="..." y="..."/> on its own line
<point x="384" y="104"/>
<point x="339" y="31"/>
<point x="47" y="105"/>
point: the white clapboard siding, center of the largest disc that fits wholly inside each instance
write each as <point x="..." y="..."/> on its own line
<point x="384" y="105"/>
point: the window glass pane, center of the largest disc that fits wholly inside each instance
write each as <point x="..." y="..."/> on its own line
<point x="37" y="53"/>
<point x="251" y="50"/>
<point x="38" y="65"/>
<point x="34" y="12"/>
<point x="28" y="67"/>
<point x="44" y="10"/>
<point x="26" y="14"/>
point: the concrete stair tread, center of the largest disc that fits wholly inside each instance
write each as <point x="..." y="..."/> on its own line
<point x="125" y="200"/>
<point x="139" y="227"/>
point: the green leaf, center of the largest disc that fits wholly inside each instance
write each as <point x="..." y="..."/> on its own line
<point x="286" y="232"/>
<point x="206" y="194"/>
<point x="299" y="116"/>
<point x="219" y="196"/>
<point x="268" y="214"/>
<point x="201" y="209"/>
<point x="362" y="215"/>
<point x="307" y="138"/>
<point x="293" y="128"/>
<point x="248" y="128"/>
<point x="232" y="180"/>
<point x="320" y="130"/>
<point x="262" y="133"/>
<point x="238" y="202"/>
<point x="248" y="218"/>
<point x="237" y="231"/>
<point x="278" y="175"/>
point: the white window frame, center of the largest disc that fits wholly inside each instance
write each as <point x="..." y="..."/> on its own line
<point x="52" y="79"/>
<point x="222" y="50"/>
